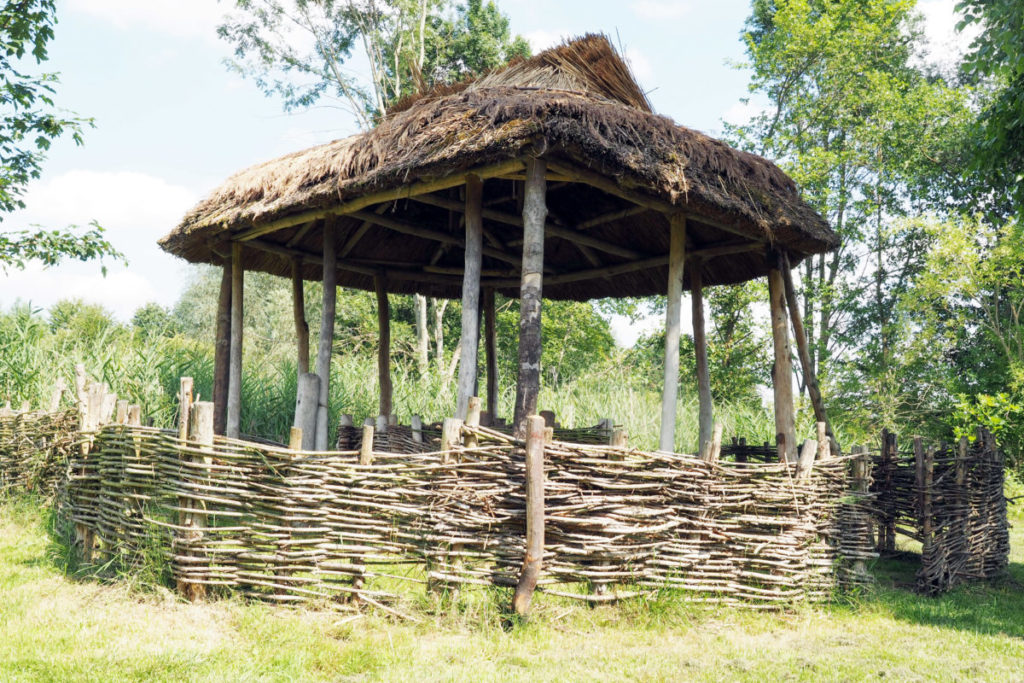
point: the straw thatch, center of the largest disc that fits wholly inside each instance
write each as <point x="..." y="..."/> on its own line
<point x="578" y="107"/>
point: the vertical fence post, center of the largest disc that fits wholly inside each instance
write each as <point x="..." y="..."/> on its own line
<point x="200" y="433"/>
<point x="472" y="420"/>
<point x="184" y="406"/>
<point x="366" y="445"/>
<point x="533" y="560"/>
<point x="417" y="429"/>
<point x="451" y="437"/>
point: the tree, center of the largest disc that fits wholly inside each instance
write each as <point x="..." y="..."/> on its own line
<point x="862" y="130"/>
<point x="29" y="123"/>
<point x="997" y="60"/>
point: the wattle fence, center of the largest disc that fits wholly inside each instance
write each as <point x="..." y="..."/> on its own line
<point x="367" y="526"/>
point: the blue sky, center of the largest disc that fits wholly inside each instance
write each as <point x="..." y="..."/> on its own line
<point x="172" y="122"/>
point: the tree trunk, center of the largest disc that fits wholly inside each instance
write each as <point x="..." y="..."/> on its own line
<point x="470" y="295"/>
<point x="222" y="353"/>
<point x="326" y="344"/>
<point x="234" y="411"/>
<point x="383" y="345"/>
<point x="530" y="292"/>
<point x="673" y="314"/>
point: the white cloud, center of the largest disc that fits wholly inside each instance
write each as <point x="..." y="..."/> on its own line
<point x="136" y="209"/>
<point x="181" y="18"/>
<point x="742" y="112"/>
<point x="661" y="9"/>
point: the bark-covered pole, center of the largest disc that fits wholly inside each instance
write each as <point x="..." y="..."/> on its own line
<point x="782" y="370"/>
<point x="533" y="561"/>
<point x="323" y="354"/>
<point x="673" y="314"/>
<point x="234" y="410"/>
<point x="471" y="294"/>
<point x="535" y="213"/>
<point x="383" y="344"/>
<point x="222" y="352"/>
<point x="299" y="313"/>
<point x="491" y="351"/>
<point x="700" y="347"/>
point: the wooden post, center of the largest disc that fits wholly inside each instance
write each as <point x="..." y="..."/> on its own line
<point x="417" y="429"/>
<point x="491" y="351"/>
<point x="451" y="436"/>
<point x="824" y="442"/>
<point x="700" y="348"/>
<point x="200" y="432"/>
<point x="184" y="406"/>
<point x="366" y="447"/>
<point x="299" y="313"/>
<point x="306" y="405"/>
<point x="471" y="294"/>
<point x="122" y="412"/>
<point x="810" y="377"/>
<point x="805" y="461"/>
<point x="295" y="439"/>
<point x="534" y="556"/>
<point x="344" y="441"/>
<point x="233" y="426"/>
<point x="535" y="213"/>
<point x="861" y="471"/>
<point x="673" y="312"/>
<point x="222" y="352"/>
<point x="620" y="439"/>
<point x="135" y="415"/>
<point x="472" y="420"/>
<point x="782" y="372"/>
<point x="715" y="449"/>
<point x="326" y="343"/>
<point x="58" y="391"/>
<point x="383" y="344"/>
<point x="549" y="417"/>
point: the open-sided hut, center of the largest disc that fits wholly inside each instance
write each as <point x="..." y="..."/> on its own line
<point x="551" y="176"/>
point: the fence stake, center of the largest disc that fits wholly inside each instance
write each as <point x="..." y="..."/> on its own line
<point x="200" y="423"/>
<point x="184" y="406"/>
<point x="533" y="561"/>
<point x="417" y="429"/>
<point x="366" y="447"/>
<point x="472" y="420"/>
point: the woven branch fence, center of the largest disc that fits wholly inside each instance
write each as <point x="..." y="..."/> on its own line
<point x="951" y="500"/>
<point x="350" y="527"/>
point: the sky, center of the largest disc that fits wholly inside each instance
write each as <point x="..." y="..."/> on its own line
<point x="172" y="122"/>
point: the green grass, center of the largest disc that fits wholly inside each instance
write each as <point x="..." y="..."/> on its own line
<point x="57" y="626"/>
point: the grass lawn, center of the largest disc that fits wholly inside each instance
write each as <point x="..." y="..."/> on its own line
<point x="56" y="627"/>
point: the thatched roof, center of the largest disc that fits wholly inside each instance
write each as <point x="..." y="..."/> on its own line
<point x="576" y="106"/>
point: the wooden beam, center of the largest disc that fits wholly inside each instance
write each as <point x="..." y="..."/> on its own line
<point x="612" y="216"/>
<point x="601" y="182"/>
<point x="700" y="347"/>
<point x="534" y="556"/>
<point x="383" y="344"/>
<point x="299" y="313"/>
<point x="491" y="351"/>
<point x="299" y="234"/>
<point x="232" y="427"/>
<point x="810" y="377"/>
<point x="550" y="228"/>
<point x="358" y="233"/>
<point x="427" y="233"/>
<point x="530" y="292"/>
<point x="222" y="352"/>
<point x="673" y="315"/>
<point x="358" y="203"/>
<point x="470" y="296"/>
<point x="326" y="343"/>
<point x="782" y="371"/>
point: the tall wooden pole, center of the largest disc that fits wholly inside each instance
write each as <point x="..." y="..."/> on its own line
<point x="782" y="371"/>
<point x="383" y="344"/>
<point x="810" y="376"/>
<point x="491" y="350"/>
<point x="535" y="213"/>
<point x="673" y="314"/>
<point x="533" y="559"/>
<point x="325" y="346"/>
<point x="700" y="347"/>
<point x="222" y="352"/>
<point x="471" y="295"/>
<point x="299" y="312"/>
<point x="232" y="427"/>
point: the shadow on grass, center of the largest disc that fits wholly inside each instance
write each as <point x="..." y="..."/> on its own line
<point x="981" y="607"/>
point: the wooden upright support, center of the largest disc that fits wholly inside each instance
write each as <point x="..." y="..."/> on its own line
<point x="782" y="371"/>
<point x="325" y="347"/>
<point x="491" y="351"/>
<point x="700" y="349"/>
<point x="471" y="294"/>
<point x="299" y="313"/>
<point x="200" y="433"/>
<point x="184" y="406"/>
<point x="383" y="344"/>
<point x="306" y="405"/>
<point x="810" y="377"/>
<point x="535" y="213"/>
<point x="222" y="353"/>
<point x="673" y="314"/>
<point x="534" y="558"/>
<point x="234" y="410"/>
